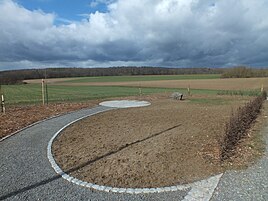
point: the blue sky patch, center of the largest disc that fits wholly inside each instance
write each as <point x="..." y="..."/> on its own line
<point x="65" y="10"/>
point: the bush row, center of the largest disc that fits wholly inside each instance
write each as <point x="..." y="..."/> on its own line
<point x="238" y="125"/>
<point x="239" y="93"/>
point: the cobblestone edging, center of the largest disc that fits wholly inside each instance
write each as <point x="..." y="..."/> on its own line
<point x="201" y="190"/>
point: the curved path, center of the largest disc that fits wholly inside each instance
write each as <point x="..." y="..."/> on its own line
<point x="26" y="173"/>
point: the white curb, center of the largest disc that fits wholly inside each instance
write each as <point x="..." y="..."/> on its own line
<point x="201" y="190"/>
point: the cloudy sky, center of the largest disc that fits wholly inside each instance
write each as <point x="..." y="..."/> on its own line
<point x="101" y="33"/>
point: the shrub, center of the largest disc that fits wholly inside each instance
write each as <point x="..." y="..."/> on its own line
<point x="240" y="93"/>
<point x="239" y="123"/>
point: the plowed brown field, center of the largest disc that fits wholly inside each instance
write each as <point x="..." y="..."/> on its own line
<point x="170" y="142"/>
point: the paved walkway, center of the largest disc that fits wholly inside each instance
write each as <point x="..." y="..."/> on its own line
<point x="26" y="173"/>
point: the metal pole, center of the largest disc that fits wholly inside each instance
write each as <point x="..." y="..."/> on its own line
<point x="46" y="86"/>
<point x="43" y="92"/>
<point x="47" y="93"/>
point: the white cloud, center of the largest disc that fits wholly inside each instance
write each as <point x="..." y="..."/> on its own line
<point x="96" y="3"/>
<point x="139" y="32"/>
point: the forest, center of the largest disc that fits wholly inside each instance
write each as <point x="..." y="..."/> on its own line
<point x="17" y="76"/>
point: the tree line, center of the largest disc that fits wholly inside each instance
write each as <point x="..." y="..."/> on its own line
<point x="17" y="76"/>
<point x="244" y="72"/>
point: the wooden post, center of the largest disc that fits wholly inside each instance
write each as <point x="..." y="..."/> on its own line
<point x="43" y="92"/>
<point x="140" y="92"/>
<point x="3" y="104"/>
<point x="262" y="88"/>
<point x="188" y="89"/>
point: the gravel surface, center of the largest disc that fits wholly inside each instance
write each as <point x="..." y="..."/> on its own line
<point x="26" y="174"/>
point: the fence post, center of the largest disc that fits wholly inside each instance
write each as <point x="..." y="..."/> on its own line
<point x="43" y="92"/>
<point x="46" y="90"/>
<point x="47" y="93"/>
<point x="188" y="89"/>
<point x="3" y="104"/>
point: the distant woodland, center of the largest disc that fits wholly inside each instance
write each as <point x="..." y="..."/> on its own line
<point x="244" y="72"/>
<point x="17" y="76"/>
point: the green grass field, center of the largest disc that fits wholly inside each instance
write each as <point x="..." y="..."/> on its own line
<point x="143" y="78"/>
<point x="31" y="93"/>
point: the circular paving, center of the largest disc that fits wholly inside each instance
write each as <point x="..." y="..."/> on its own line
<point x="125" y="103"/>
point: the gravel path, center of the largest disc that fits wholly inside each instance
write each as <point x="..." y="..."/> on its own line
<point x="26" y="173"/>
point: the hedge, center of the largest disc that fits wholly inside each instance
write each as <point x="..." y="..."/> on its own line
<point x="238" y="125"/>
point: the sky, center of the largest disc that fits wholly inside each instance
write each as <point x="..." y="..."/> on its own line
<point x="105" y="33"/>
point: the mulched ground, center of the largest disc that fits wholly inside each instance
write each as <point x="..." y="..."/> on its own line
<point x="168" y="143"/>
<point x="18" y="117"/>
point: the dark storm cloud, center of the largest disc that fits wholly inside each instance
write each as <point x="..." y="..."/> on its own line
<point x="139" y="32"/>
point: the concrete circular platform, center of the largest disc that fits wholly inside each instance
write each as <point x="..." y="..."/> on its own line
<point x="125" y="103"/>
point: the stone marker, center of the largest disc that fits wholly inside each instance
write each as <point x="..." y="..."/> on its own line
<point x="176" y="96"/>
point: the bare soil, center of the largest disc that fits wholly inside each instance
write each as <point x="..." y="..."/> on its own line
<point x="18" y="117"/>
<point x="170" y="142"/>
<point x="50" y="80"/>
